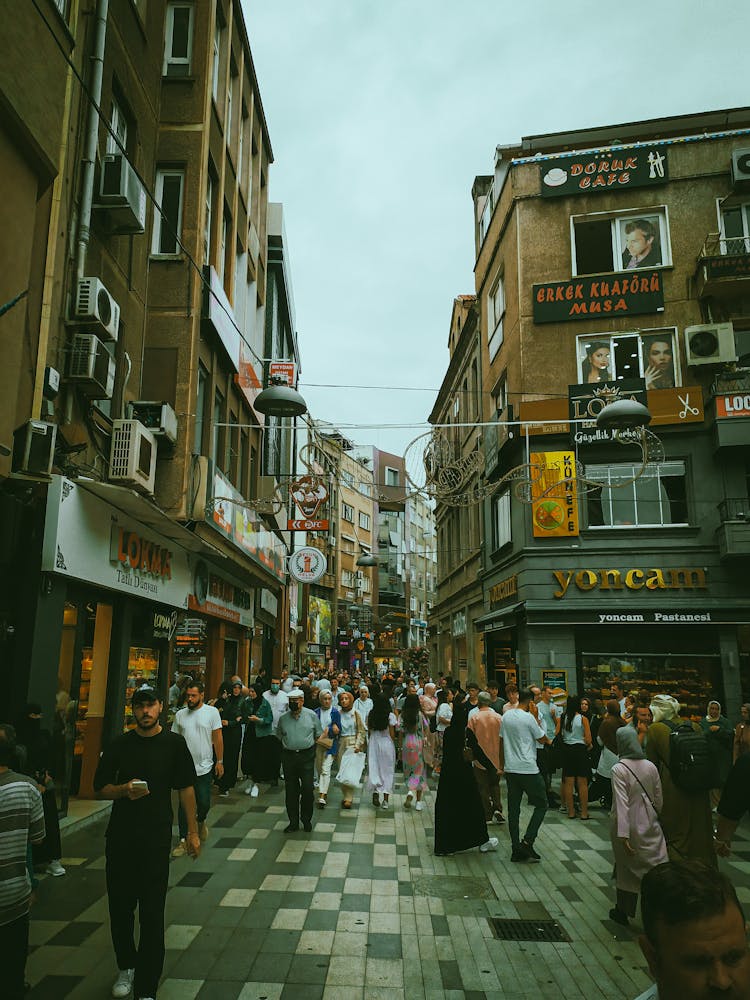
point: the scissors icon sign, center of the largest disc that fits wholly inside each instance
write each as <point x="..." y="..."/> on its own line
<point x="686" y="407"/>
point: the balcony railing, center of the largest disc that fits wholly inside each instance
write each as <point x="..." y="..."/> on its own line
<point x="716" y="245"/>
<point x="734" y="510"/>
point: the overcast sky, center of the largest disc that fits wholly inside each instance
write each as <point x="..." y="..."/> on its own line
<point x="381" y="114"/>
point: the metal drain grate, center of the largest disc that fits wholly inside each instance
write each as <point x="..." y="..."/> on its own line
<point x="527" y="930"/>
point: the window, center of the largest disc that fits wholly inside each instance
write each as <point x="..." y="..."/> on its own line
<point x="168" y="221"/>
<point x="119" y="125"/>
<point x="241" y="145"/>
<point x="500" y="394"/>
<point x="347" y="512"/>
<point x="222" y="257"/>
<point x="231" y="463"/>
<point x="178" y="42"/>
<point x="486" y="216"/>
<point x="216" y="64"/>
<point x="226" y="249"/>
<point x="364" y="521"/>
<point x="208" y="220"/>
<point x="656" y="498"/>
<point x="244" y="462"/>
<point x="230" y="105"/>
<point x="200" y="410"/>
<point x="648" y="354"/>
<point x="347" y="479"/>
<point x="620" y="242"/>
<point x="391" y="476"/>
<point x="218" y="433"/>
<point x="495" y="314"/>
<point x="735" y="229"/>
<point x="501" y="533"/>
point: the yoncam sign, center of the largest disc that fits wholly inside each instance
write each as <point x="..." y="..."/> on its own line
<point x="681" y="578"/>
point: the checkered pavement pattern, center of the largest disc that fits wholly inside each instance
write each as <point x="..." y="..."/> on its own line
<point x="359" y="909"/>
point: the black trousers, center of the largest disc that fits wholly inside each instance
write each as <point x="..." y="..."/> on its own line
<point x="141" y="884"/>
<point x="232" y="743"/>
<point x="50" y="848"/>
<point x="14" y="946"/>
<point x="299" y="770"/>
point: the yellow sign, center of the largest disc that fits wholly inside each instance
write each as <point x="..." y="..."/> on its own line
<point x="679" y="578"/>
<point x="503" y="590"/>
<point x="554" y="500"/>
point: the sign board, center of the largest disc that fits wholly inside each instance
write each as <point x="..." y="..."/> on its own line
<point x="217" y="596"/>
<point x="87" y="539"/>
<point x="503" y="590"/>
<point x="300" y="524"/>
<point x="627" y="293"/>
<point x="586" y="401"/>
<point x="286" y="370"/>
<point x="244" y="528"/>
<point x="730" y="266"/>
<point x="733" y="404"/>
<point x="554" y="513"/>
<point x="606" y="170"/>
<point x="667" y="406"/>
<point x="307" y="565"/>
<point x="557" y="680"/>
<point x="308" y="493"/>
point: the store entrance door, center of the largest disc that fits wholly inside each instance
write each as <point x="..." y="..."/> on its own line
<point x="83" y="670"/>
<point x="230" y="658"/>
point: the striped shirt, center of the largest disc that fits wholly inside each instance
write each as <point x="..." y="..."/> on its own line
<point x="21" y="820"/>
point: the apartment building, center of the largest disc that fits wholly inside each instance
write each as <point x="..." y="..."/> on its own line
<point x="148" y="537"/>
<point x="613" y="262"/>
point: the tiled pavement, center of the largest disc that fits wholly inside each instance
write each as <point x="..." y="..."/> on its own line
<point x="360" y="909"/>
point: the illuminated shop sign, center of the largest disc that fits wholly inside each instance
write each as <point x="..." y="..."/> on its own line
<point x="680" y="578"/>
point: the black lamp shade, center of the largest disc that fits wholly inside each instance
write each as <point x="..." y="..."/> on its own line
<point x="280" y="401"/>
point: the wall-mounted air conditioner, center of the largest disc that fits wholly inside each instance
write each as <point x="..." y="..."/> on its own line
<point x="95" y="305"/>
<point x="91" y="367"/>
<point x="34" y="448"/>
<point x="122" y="195"/>
<point x="741" y="169"/>
<point x="132" y="456"/>
<point x="159" y="418"/>
<point x="710" y="344"/>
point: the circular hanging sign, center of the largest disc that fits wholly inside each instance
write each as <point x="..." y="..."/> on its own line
<point x="307" y="565"/>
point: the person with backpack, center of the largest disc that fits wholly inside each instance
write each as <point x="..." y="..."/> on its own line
<point x="680" y="750"/>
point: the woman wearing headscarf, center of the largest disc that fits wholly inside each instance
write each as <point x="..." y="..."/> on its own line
<point x="230" y="710"/>
<point x="443" y="717"/>
<point x="636" y="834"/>
<point x="720" y="736"/>
<point x="601" y="787"/>
<point x="459" y="813"/>
<point x="257" y="752"/>
<point x="428" y="703"/>
<point x="38" y="764"/>
<point x="363" y="703"/>
<point x="685" y="817"/>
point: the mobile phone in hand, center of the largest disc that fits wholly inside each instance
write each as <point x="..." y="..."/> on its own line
<point x="140" y="784"/>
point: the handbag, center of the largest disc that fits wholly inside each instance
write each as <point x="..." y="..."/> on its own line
<point x="324" y="741"/>
<point x="468" y="750"/>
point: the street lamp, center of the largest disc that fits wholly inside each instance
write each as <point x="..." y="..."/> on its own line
<point x="366" y="559"/>
<point x="279" y="399"/>
<point x="623" y="415"/>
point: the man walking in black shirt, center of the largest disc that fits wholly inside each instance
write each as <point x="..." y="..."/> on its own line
<point x="138" y="772"/>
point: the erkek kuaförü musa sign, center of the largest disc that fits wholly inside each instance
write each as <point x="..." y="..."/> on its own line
<point x="625" y="293"/>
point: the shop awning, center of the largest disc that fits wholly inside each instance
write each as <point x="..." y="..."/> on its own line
<point x="496" y="619"/>
<point x="138" y="507"/>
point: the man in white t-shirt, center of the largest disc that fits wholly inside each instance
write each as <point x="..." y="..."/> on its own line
<point x="521" y="735"/>
<point x="278" y="699"/>
<point x="200" y="726"/>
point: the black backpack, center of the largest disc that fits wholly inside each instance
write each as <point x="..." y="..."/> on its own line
<point x="690" y="762"/>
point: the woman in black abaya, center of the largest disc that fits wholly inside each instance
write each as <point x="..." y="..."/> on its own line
<point x="459" y="814"/>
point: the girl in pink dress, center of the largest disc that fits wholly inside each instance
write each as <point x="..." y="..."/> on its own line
<point x="415" y="728"/>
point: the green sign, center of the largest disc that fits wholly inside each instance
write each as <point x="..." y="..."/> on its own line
<point x="606" y="170"/>
<point x="731" y="266"/>
<point x="625" y="293"/>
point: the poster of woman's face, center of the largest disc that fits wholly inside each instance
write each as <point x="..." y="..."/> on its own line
<point x="658" y="360"/>
<point x="596" y="362"/>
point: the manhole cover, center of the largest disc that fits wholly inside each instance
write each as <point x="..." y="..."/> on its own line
<point x="527" y="930"/>
<point x="452" y="887"/>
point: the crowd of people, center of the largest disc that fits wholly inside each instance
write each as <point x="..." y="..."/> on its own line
<point x="675" y="788"/>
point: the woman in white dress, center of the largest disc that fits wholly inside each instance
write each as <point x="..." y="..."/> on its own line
<point x="637" y="839"/>
<point x="381" y="752"/>
<point x="363" y="704"/>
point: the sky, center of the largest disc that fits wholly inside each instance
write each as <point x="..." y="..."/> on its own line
<point x="381" y="114"/>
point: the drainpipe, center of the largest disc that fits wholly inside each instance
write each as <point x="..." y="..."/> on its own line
<point x="92" y="137"/>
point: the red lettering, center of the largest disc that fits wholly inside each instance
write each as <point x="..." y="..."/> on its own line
<point x="569" y="292"/>
<point x="122" y="555"/>
<point x="621" y="306"/>
<point x="585" y="182"/>
<point x="643" y="286"/>
<point x="595" y="307"/>
<point x="603" y="166"/>
<point x="590" y="168"/>
<point x="559" y="296"/>
<point x="579" y="291"/>
<point x="594" y="293"/>
<point x="631" y="163"/>
<point x="655" y="284"/>
<point x="608" y="306"/>
<point x="616" y="288"/>
<point x="134" y="550"/>
<point x="624" y="178"/>
<point x="578" y="308"/>
<point x="612" y="179"/>
<point x="576" y="169"/>
<point x="540" y="295"/>
<point x="550" y="294"/>
<point x="605" y="288"/>
<point x="599" y="182"/>
<point x="617" y="164"/>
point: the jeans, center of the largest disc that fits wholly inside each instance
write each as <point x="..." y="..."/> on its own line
<point x="14" y="946"/>
<point x="138" y="883"/>
<point x="202" y="788"/>
<point x="299" y="770"/>
<point x="533" y="785"/>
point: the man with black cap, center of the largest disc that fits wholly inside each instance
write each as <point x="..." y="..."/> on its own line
<point x="138" y="771"/>
<point x="298" y="730"/>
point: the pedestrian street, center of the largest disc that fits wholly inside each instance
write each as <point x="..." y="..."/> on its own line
<point x="359" y="909"/>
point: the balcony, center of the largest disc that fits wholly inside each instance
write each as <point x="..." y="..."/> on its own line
<point x="723" y="269"/>
<point x="734" y="530"/>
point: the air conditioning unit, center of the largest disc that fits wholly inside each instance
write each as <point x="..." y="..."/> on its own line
<point x="91" y="367"/>
<point x="132" y="456"/>
<point x="710" y="344"/>
<point x="95" y="305"/>
<point x="123" y="195"/>
<point x="34" y="448"/>
<point x="741" y="169"/>
<point x="159" y="418"/>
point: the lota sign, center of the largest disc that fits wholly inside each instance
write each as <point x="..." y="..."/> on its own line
<point x="682" y="578"/>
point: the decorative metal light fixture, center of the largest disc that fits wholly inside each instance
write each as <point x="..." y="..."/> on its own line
<point x="279" y="399"/>
<point x="623" y="415"/>
<point x="366" y="559"/>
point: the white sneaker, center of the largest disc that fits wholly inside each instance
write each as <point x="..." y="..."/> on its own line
<point x="178" y="852"/>
<point x="419" y="806"/>
<point x="491" y="845"/>
<point x="408" y="800"/>
<point x="123" y="985"/>
<point x="254" y="791"/>
<point x="55" y="868"/>
<point x="385" y="804"/>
